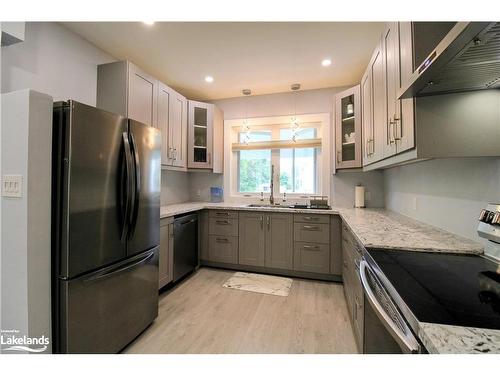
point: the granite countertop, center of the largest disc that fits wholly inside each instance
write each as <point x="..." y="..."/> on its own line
<point x="181" y="208"/>
<point x="381" y="228"/>
<point x="378" y="228"/>
<point x="446" y="339"/>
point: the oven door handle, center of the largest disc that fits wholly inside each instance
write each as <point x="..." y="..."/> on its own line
<point x="403" y="337"/>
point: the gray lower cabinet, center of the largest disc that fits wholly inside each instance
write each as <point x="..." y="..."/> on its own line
<point x="335" y="245"/>
<point x="266" y="239"/>
<point x="222" y="248"/>
<point x="311" y="257"/>
<point x="252" y="250"/>
<point x="222" y="237"/>
<point x="352" y="253"/>
<point x="279" y="241"/>
<point x="166" y="257"/>
<point x="311" y="235"/>
<point x="294" y="242"/>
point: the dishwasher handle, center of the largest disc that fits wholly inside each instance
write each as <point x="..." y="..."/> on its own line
<point x="395" y="324"/>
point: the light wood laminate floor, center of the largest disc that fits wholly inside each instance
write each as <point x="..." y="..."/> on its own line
<point x="200" y="316"/>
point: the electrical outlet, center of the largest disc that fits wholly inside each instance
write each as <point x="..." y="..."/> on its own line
<point x="12" y="185"/>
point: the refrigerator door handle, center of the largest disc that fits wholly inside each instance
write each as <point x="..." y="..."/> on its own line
<point x="137" y="187"/>
<point x="128" y="188"/>
<point x="120" y="269"/>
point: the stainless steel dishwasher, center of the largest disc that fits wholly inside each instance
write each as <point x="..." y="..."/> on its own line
<point x="185" y="245"/>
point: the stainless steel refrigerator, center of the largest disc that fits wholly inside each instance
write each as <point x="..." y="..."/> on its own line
<point x="106" y="223"/>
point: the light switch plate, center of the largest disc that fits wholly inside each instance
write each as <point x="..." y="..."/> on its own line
<point x="12" y="185"/>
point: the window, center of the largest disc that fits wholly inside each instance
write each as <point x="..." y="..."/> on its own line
<point x="295" y="152"/>
<point x="254" y="166"/>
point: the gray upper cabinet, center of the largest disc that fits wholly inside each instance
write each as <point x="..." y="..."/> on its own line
<point x="366" y="116"/>
<point x="348" y="139"/>
<point x="125" y="89"/>
<point x="279" y="241"/>
<point x="200" y="134"/>
<point x="218" y="141"/>
<point x="390" y="49"/>
<point x="178" y="132"/>
<point x="405" y="126"/>
<point x="165" y="95"/>
<point x="373" y="107"/>
<point x="388" y="122"/>
<point x="142" y="96"/>
<point x="252" y="244"/>
<point x="399" y="134"/>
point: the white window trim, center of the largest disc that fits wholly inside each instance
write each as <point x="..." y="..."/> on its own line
<point x="324" y="159"/>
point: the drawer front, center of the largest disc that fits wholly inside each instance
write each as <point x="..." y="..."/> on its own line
<point x="223" y="227"/>
<point x="314" y="218"/>
<point x="348" y="236"/>
<point x="311" y="257"/>
<point x="223" y="249"/>
<point x="316" y="233"/>
<point x="223" y="214"/>
<point x="350" y="243"/>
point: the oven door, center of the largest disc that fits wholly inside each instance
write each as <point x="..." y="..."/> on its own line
<point x="386" y="331"/>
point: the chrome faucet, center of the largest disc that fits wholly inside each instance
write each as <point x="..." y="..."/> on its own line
<point x="271" y="196"/>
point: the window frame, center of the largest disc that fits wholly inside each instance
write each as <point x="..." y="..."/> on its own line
<point x="232" y="129"/>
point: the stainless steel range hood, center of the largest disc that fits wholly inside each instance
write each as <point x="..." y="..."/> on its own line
<point x="467" y="58"/>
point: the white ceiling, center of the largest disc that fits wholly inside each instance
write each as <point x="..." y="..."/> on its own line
<point x="264" y="57"/>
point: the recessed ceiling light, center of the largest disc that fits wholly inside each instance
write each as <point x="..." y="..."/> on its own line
<point x="326" y="62"/>
<point x="209" y="79"/>
<point x="149" y="23"/>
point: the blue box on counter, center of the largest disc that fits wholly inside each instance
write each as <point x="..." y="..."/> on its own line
<point x="216" y="194"/>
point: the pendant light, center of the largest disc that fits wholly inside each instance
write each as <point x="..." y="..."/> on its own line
<point x="295" y="124"/>
<point x="245" y="128"/>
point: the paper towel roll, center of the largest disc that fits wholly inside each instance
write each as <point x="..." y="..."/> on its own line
<point x="359" y="196"/>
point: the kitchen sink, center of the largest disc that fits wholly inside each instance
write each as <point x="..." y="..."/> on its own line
<point x="264" y="205"/>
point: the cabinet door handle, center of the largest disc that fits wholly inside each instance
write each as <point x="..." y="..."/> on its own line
<point x="397" y="121"/>
<point x="222" y="240"/>
<point x="390" y="133"/>
<point x="268" y="223"/>
<point x="311" y="247"/>
<point x="311" y="218"/>
<point x="261" y="222"/>
<point x="222" y="222"/>
<point x="222" y="213"/>
<point x="310" y="227"/>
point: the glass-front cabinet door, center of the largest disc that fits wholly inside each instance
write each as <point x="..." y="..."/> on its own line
<point x="200" y="132"/>
<point x="348" y="129"/>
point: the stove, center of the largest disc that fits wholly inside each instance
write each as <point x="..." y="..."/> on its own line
<point x="461" y="290"/>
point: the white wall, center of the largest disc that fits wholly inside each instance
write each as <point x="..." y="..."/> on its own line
<point x="25" y="231"/>
<point x="55" y="61"/>
<point x="449" y="193"/>
<point x="175" y="187"/>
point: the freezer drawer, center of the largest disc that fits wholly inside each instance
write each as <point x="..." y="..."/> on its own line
<point x="104" y="311"/>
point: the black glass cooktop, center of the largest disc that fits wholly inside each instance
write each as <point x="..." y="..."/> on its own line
<point x="450" y="289"/>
